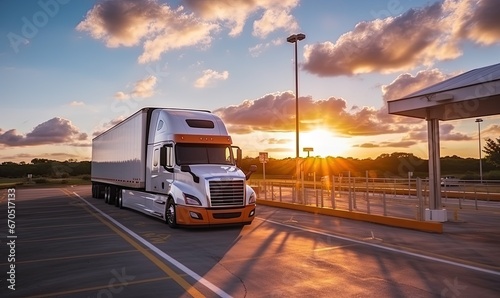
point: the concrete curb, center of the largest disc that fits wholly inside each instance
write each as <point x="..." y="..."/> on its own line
<point x="425" y="226"/>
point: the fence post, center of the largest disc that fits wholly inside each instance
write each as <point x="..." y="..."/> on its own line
<point x="272" y="191"/>
<point x="384" y="203"/>
<point x="265" y="190"/>
<point x="280" y="192"/>
<point x="475" y="195"/>
<point x="350" y="190"/>
<point x="419" y="197"/>
<point x="314" y="188"/>
<point x="367" y="197"/>
<point x="333" y="192"/>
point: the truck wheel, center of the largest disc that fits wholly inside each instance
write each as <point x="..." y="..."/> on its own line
<point x="170" y="214"/>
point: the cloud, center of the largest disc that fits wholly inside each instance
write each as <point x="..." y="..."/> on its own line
<point x="258" y="49"/>
<point x="233" y="14"/>
<point x="476" y="20"/>
<point x="209" y="77"/>
<point x="51" y="156"/>
<point x="399" y="144"/>
<point x="447" y="134"/>
<point x="276" y="113"/>
<point x="106" y="125"/>
<point x="406" y="83"/>
<point x="142" y="89"/>
<point x="417" y="37"/>
<point x="445" y="131"/>
<point x="493" y="130"/>
<point x="75" y="103"/>
<point x="54" y="131"/>
<point x="120" y="95"/>
<point x="158" y="27"/>
<point x="273" y="141"/>
<point x="273" y="20"/>
<point x="367" y="145"/>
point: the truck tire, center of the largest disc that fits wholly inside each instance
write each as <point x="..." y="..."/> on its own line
<point x="118" y="198"/>
<point x="170" y="214"/>
<point x="106" y="194"/>
<point x="112" y="195"/>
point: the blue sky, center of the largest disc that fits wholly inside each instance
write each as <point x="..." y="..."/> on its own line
<point x="70" y="69"/>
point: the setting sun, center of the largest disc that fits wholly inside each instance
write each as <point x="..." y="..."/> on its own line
<point x="323" y="142"/>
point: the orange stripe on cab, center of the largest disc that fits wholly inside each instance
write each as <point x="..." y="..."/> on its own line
<point x="205" y="139"/>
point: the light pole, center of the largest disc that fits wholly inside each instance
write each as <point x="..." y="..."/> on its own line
<point x="479" y="120"/>
<point x="294" y="38"/>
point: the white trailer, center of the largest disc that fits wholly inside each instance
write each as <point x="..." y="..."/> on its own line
<point x="175" y="164"/>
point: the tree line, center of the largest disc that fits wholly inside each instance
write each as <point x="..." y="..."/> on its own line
<point x="40" y="167"/>
<point x="394" y="165"/>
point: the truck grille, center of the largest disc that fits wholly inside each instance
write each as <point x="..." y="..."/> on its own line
<point x="227" y="193"/>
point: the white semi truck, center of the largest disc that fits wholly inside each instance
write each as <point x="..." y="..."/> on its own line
<point x="178" y="165"/>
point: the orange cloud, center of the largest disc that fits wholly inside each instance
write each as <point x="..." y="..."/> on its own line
<point x="54" y="131"/>
<point x="276" y="113"/>
<point x="157" y="26"/>
<point x="417" y="37"/>
<point x="209" y="77"/>
<point x="233" y="14"/>
<point x="406" y="83"/>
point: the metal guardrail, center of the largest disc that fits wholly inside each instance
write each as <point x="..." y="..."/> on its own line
<point x="380" y="196"/>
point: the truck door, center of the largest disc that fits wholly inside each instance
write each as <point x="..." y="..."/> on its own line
<point x="162" y="177"/>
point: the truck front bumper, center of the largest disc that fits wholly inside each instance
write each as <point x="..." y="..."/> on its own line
<point x="187" y="215"/>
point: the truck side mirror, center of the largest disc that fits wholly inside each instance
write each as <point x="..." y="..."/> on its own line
<point x="239" y="155"/>
<point x="253" y="168"/>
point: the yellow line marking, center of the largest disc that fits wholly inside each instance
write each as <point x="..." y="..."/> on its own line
<point x="74" y="257"/>
<point x="57" y="226"/>
<point x="64" y="238"/>
<point x="115" y="285"/>
<point x="178" y="279"/>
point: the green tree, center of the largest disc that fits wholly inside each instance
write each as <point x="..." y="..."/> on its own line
<point x="492" y="150"/>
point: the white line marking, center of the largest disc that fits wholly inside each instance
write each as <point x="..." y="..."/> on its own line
<point x="387" y="248"/>
<point x="165" y="256"/>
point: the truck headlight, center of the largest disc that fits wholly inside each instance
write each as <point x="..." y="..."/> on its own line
<point x="191" y="200"/>
<point x="251" y="200"/>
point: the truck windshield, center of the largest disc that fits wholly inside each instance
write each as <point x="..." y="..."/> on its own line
<point x="187" y="154"/>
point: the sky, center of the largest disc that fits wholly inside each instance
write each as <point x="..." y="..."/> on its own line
<point x="71" y="69"/>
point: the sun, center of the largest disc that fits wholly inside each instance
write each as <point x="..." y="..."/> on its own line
<point x="324" y="143"/>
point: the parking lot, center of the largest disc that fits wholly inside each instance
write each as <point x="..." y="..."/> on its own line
<point x="65" y="247"/>
<point x="67" y="244"/>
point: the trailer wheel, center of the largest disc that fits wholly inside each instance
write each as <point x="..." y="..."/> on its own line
<point x="170" y="214"/>
<point x="118" y="198"/>
<point x="112" y="195"/>
<point x="106" y="194"/>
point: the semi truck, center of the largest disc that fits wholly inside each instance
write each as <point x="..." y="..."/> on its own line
<point x="178" y="165"/>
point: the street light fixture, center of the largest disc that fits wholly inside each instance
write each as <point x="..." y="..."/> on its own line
<point x="479" y="120"/>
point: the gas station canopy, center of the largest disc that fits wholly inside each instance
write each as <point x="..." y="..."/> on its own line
<point x="472" y="94"/>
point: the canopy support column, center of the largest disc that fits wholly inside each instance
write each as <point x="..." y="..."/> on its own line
<point x="434" y="164"/>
